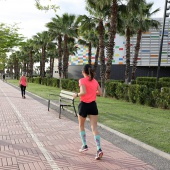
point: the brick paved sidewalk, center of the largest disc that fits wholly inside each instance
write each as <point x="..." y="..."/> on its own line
<point x="31" y="138"/>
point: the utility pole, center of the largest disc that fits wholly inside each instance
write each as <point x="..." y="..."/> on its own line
<point x="162" y="36"/>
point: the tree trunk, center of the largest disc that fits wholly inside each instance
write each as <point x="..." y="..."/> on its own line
<point x="127" y="69"/>
<point x="43" y="62"/>
<point x="40" y="68"/>
<point x="27" y="69"/>
<point x="11" y="70"/>
<point x="59" y="56"/>
<point x="51" y="66"/>
<point x="65" y="57"/>
<point x="30" y="64"/>
<point x="111" y="43"/>
<point x="16" y="68"/>
<point x="135" y="59"/>
<point x="101" y="54"/>
<point x="89" y="53"/>
<point x="24" y="67"/>
<point x="96" y="60"/>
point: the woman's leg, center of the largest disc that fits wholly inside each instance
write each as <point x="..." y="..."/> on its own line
<point x="24" y="87"/>
<point x="93" y="122"/>
<point x="82" y="133"/>
<point x="22" y="90"/>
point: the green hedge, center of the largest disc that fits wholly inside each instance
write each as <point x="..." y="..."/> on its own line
<point x="141" y="94"/>
<point x="151" y="82"/>
<point x="146" y="79"/>
<point x="111" y="89"/>
<point x="122" y="91"/>
<point x="164" y="79"/>
<point x="144" y="90"/>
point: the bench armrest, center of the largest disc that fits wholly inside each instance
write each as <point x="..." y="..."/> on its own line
<point x="52" y="94"/>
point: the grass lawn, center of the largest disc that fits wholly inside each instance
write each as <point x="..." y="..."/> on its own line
<point x="149" y="125"/>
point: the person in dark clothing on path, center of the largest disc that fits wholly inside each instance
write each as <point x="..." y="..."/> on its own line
<point x="3" y="77"/>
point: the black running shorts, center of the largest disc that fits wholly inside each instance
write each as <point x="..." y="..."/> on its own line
<point x="85" y="109"/>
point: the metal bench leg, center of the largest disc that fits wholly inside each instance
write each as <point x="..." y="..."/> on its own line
<point x="60" y="113"/>
<point x="75" y="111"/>
<point x="48" y="105"/>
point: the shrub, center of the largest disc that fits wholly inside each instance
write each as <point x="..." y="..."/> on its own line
<point x="125" y="91"/>
<point x="122" y="91"/>
<point x="73" y="86"/>
<point x="44" y="81"/>
<point x="111" y="89"/>
<point x="164" y="79"/>
<point x="156" y="97"/>
<point x="119" y="91"/>
<point x="37" y="80"/>
<point x="164" y="84"/>
<point x="149" y="99"/>
<point x="133" y="82"/>
<point x="55" y="82"/>
<point x="132" y="93"/>
<point x="164" y="101"/>
<point x="141" y="94"/>
<point x="64" y="83"/>
<point x="146" y="79"/>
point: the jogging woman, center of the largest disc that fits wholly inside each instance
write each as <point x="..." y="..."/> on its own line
<point x="89" y="88"/>
<point x="23" y="84"/>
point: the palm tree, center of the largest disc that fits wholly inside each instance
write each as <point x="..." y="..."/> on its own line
<point x="24" y="58"/>
<point x="125" y="27"/>
<point x="51" y="53"/>
<point x="89" y="36"/>
<point x="143" y="24"/>
<point x="42" y="40"/>
<point x="99" y="14"/>
<point x="86" y="29"/>
<point x="28" y="46"/>
<point x="55" y="31"/>
<point x="10" y="67"/>
<point x="69" y="29"/>
<point x="111" y="35"/>
<point x="3" y="60"/>
<point x="72" y="48"/>
<point x="15" y="62"/>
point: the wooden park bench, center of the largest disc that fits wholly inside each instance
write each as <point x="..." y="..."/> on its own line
<point x="65" y="99"/>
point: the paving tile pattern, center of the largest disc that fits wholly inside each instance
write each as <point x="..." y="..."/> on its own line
<point x="31" y="138"/>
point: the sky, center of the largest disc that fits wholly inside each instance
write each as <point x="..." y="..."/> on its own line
<point x="30" y="20"/>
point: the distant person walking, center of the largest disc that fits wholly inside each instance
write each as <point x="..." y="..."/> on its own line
<point x="3" y="77"/>
<point x="23" y="84"/>
<point x="89" y="88"/>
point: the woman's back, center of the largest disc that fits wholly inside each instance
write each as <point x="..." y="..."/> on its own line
<point x="23" y="81"/>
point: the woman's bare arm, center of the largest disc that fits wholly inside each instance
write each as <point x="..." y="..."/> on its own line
<point x="99" y="91"/>
<point x="82" y="91"/>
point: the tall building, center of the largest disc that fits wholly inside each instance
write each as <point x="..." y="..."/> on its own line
<point x="150" y="44"/>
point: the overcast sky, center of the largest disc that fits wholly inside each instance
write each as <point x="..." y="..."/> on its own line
<point x="31" y="21"/>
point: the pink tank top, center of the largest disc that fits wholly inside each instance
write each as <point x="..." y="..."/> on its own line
<point x="23" y="81"/>
<point x="91" y="88"/>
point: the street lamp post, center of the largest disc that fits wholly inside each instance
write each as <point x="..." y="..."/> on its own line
<point x="162" y="36"/>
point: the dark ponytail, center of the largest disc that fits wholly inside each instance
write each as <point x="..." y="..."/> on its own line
<point x="89" y="71"/>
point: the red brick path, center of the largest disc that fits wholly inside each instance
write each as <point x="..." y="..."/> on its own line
<point x="31" y="138"/>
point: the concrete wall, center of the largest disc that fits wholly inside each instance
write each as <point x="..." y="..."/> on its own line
<point x="118" y="72"/>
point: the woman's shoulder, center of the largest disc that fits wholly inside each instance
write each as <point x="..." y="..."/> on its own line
<point x="82" y="79"/>
<point x="95" y="80"/>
